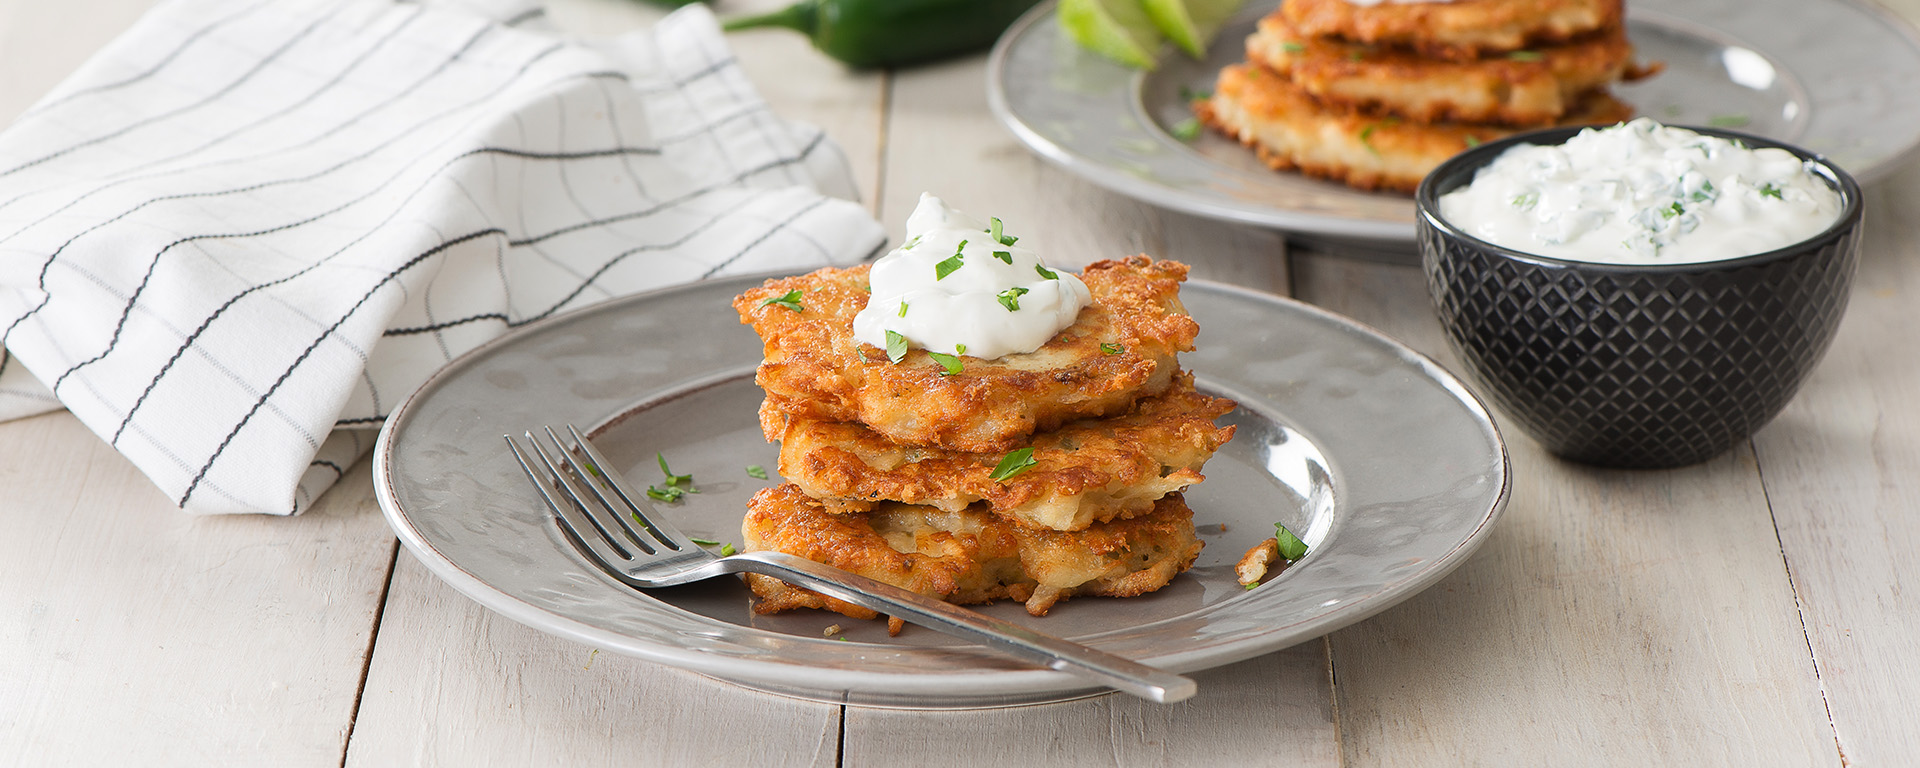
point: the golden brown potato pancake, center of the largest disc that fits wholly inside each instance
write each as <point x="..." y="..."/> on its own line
<point x="966" y="557"/>
<point x="1461" y="29"/>
<point x="1291" y="131"/>
<point x="1121" y="348"/>
<point x="1085" y="472"/>
<point x="1528" y="88"/>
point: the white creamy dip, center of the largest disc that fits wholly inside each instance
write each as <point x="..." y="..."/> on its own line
<point x="996" y="298"/>
<point x="1643" y="193"/>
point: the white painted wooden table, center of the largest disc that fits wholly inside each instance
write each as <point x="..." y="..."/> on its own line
<point x="1761" y="609"/>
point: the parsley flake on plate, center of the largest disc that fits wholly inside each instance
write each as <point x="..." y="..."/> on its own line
<point x="1291" y="547"/>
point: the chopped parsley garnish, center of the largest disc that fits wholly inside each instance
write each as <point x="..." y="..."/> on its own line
<point x="1292" y="47"/>
<point x="959" y="349"/>
<point x="903" y="309"/>
<point x="1473" y="141"/>
<point x="999" y="236"/>
<point x="896" y="346"/>
<point x="703" y="542"/>
<point x="673" y="480"/>
<point x="1189" y="94"/>
<point x="1728" y="121"/>
<point x="1111" y="348"/>
<point x="1704" y="193"/>
<point x="1006" y="256"/>
<point x="727" y="550"/>
<point x="1525" y="56"/>
<point x="1769" y="190"/>
<point x="944" y="268"/>
<point x="1012" y="465"/>
<point x="1672" y="210"/>
<point x="1046" y="273"/>
<point x="791" y="300"/>
<point x="1366" y="136"/>
<point x="949" y="364"/>
<point x="1526" y="201"/>
<point x="1010" y="298"/>
<point x="670" y="489"/>
<point x="1291" y="547"/>
<point x="911" y="243"/>
<point x="756" y="472"/>
<point x="1186" y="130"/>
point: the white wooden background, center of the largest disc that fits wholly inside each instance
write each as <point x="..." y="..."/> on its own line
<point x="1761" y="609"/>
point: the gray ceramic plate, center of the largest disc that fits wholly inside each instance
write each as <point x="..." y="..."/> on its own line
<point x="1387" y="466"/>
<point x="1834" y="76"/>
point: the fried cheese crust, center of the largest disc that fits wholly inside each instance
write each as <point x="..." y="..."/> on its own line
<point x="966" y="557"/>
<point x="1291" y="131"/>
<point x="1460" y="30"/>
<point x="1121" y="348"/>
<point x="1085" y="472"/>
<point x="1529" y="90"/>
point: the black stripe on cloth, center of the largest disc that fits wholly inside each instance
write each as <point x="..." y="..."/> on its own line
<point x="441" y="326"/>
<point x="186" y="344"/>
<point x="763" y="238"/>
<point x="162" y="63"/>
<point x="324" y="335"/>
<point x="649" y="211"/>
<point x="215" y="96"/>
<point x="47" y="266"/>
<point x="127" y="311"/>
<point x="589" y="280"/>
<point x="360" y="420"/>
<point x="311" y="141"/>
<point x="309" y="98"/>
<point x="524" y="17"/>
<point x="337" y="471"/>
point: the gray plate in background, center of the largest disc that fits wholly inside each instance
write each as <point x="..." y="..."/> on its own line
<point x="1835" y="76"/>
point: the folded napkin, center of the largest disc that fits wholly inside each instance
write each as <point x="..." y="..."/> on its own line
<point x="240" y="235"/>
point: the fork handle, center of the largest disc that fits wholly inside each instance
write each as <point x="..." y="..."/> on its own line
<point x="1006" y="637"/>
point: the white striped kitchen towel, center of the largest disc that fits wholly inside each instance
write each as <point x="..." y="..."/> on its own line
<point x="243" y="232"/>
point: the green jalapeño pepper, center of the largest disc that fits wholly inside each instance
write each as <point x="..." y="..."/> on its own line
<point x="891" y="33"/>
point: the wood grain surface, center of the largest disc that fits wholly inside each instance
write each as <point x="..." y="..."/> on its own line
<point x="1753" y="610"/>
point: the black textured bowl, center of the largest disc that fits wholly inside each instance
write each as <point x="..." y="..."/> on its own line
<point x="1636" y="365"/>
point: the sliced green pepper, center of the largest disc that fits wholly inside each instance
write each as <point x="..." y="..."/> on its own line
<point x="891" y="33"/>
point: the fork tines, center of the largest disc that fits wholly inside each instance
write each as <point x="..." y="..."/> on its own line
<point x="611" y="526"/>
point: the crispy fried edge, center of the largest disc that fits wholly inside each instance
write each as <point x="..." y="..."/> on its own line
<point x="1380" y="145"/>
<point x="951" y="480"/>
<point x="1461" y="30"/>
<point x="1518" y="92"/>
<point x="1137" y="296"/>
<point x="1171" y="516"/>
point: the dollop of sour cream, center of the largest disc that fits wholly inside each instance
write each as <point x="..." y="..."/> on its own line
<point x="955" y="288"/>
<point x="1643" y="193"/>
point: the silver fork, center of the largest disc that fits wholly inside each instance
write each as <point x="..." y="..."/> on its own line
<point x="593" y="507"/>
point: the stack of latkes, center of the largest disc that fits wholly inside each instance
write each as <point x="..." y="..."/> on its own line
<point x="1034" y="476"/>
<point x="1376" y="95"/>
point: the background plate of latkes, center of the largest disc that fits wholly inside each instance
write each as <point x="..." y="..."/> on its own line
<point x="1388" y="468"/>
<point x="1834" y="76"/>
